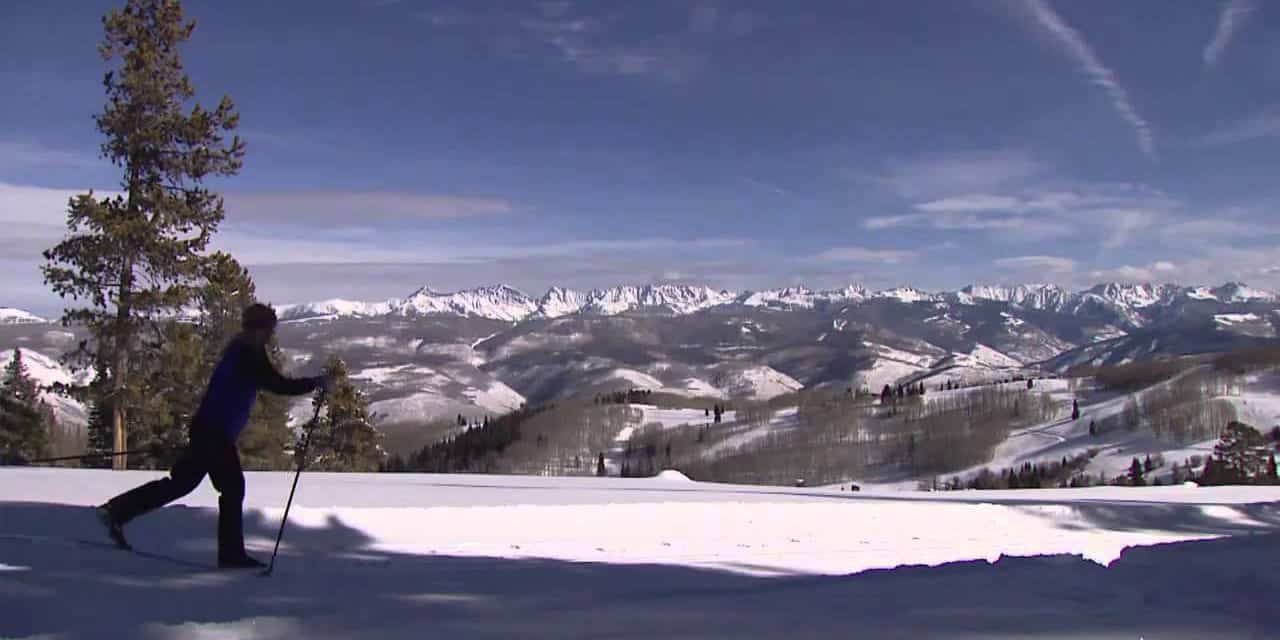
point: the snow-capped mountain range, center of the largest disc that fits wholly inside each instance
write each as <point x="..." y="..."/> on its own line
<point x="506" y="303"/>
<point x="9" y="315"/>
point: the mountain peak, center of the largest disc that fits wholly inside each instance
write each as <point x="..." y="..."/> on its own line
<point x="11" y="315"/>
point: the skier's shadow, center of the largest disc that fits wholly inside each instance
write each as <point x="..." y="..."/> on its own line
<point x="330" y="583"/>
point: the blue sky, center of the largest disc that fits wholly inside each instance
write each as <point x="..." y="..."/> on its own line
<point x="933" y="143"/>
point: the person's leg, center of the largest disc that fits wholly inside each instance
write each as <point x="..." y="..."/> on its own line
<point x="228" y="479"/>
<point x="183" y="478"/>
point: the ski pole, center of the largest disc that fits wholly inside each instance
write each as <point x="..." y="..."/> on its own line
<point x="103" y="454"/>
<point x="302" y="461"/>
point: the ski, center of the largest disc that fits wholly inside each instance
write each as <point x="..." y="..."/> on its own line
<point x="109" y="546"/>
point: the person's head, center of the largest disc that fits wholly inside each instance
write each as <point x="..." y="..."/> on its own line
<point x="258" y="322"/>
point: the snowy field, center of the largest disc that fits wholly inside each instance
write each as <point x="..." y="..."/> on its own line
<point x="469" y="556"/>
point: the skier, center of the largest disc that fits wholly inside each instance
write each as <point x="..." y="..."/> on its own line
<point x="242" y="370"/>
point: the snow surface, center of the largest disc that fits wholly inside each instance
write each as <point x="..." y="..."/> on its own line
<point x="10" y="315"/>
<point x="760" y="382"/>
<point x="1236" y="318"/>
<point x="411" y="556"/>
<point x="746" y="434"/>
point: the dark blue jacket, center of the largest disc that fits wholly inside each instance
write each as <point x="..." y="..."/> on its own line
<point x="242" y="370"/>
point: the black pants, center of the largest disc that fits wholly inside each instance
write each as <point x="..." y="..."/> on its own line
<point x="208" y="453"/>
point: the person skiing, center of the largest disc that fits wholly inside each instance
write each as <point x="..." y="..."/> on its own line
<point x="242" y="370"/>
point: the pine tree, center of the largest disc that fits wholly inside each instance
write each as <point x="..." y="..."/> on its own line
<point x="25" y="421"/>
<point x="600" y="468"/>
<point x="132" y="257"/>
<point x="1136" y="473"/>
<point x="1147" y="465"/>
<point x="344" y="438"/>
<point x="1075" y="409"/>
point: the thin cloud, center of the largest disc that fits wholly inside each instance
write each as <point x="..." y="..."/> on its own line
<point x="1256" y="127"/>
<point x="1078" y="49"/>
<point x="27" y="155"/>
<point x="326" y="208"/>
<point x="934" y="175"/>
<point x="863" y="254"/>
<point x="1054" y="264"/>
<point x="1230" y="20"/>
<point x="980" y="202"/>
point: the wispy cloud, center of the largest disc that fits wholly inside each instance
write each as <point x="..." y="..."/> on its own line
<point x="593" y="44"/>
<point x="712" y="19"/>
<point x="863" y="254"/>
<point x="1230" y="20"/>
<point x="979" y="202"/>
<point x="1256" y="127"/>
<point x="1067" y="38"/>
<point x="934" y="175"/>
<point x="16" y="154"/>
<point x="344" y="207"/>
<point x="1053" y="264"/>
<point x="1158" y="271"/>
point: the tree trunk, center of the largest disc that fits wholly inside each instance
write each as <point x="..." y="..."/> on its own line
<point x="120" y="371"/>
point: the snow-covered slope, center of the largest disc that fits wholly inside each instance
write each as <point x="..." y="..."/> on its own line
<point x="758" y="382"/>
<point x="1041" y="297"/>
<point x="334" y="308"/>
<point x="47" y="371"/>
<point x="559" y="301"/>
<point x="497" y="302"/>
<point x="678" y="299"/>
<point x="800" y="297"/>
<point x="10" y="315"/>
<point x="380" y="556"/>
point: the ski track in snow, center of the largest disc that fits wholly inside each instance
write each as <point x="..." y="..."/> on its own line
<point x="376" y="556"/>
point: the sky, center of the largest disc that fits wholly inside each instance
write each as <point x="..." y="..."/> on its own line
<point x="395" y="144"/>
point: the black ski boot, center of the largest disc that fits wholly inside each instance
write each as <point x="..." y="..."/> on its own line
<point x="244" y="561"/>
<point x="114" y="530"/>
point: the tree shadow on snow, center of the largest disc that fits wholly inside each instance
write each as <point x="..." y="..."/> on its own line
<point x="329" y="583"/>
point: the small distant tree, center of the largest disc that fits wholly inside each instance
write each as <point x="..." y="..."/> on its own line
<point x="1093" y="428"/>
<point x="1147" y="465"/>
<point x="1136" y="474"/>
<point x="600" y="469"/>
<point x="344" y="439"/>
<point x="1075" y="409"/>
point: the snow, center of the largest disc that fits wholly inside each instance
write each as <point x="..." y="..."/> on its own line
<point x="638" y="379"/>
<point x="333" y="308"/>
<point x="1229" y="319"/>
<point x="679" y="299"/>
<point x="695" y="388"/>
<point x="788" y="298"/>
<point x="905" y="294"/>
<point x="671" y="475"/>
<point x="746" y="434"/>
<point x="497" y="398"/>
<point x="10" y="315"/>
<point x="760" y="382"/>
<point x="1240" y="292"/>
<point x="984" y="355"/>
<point x="498" y="302"/>
<point x="389" y="556"/>
<point x="890" y="365"/>
<point x="47" y="371"/>
<point x="559" y="301"/>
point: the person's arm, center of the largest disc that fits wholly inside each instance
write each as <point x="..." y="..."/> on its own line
<point x="258" y="366"/>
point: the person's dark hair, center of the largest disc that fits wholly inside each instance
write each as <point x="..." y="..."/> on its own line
<point x="258" y="316"/>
